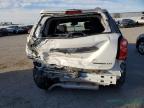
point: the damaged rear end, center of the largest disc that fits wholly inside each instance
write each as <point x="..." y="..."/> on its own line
<point x="76" y="49"/>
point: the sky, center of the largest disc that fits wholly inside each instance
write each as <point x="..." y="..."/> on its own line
<point x="27" y="11"/>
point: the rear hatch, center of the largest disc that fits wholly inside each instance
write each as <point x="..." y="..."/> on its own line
<point x="78" y="41"/>
<point x="93" y="52"/>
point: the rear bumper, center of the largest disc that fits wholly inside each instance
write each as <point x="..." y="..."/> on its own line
<point x="103" y="77"/>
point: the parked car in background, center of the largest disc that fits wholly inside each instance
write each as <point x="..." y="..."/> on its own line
<point x="15" y="29"/>
<point x="12" y="29"/>
<point x="3" y="32"/>
<point x="140" y="20"/>
<point x="27" y="28"/>
<point x="75" y="49"/>
<point x="20" y="30"/>
<point x="140" y="44"/>
<point x="127" y="23"/>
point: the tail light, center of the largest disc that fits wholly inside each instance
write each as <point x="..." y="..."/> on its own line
<point x="72" y="12"/>
<point x="123" y="49"/>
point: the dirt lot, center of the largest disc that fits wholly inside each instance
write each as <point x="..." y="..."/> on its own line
<point x="12" y="53"/>
<point x="17" y="89"/>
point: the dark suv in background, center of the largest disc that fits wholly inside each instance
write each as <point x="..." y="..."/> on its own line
<point x="127" y="23"/>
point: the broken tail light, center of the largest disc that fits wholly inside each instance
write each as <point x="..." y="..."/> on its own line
<point x="123" y="49"/>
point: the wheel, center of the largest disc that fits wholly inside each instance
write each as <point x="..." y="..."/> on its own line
<point x="41" y="80"/>
<point x="140" y="47"/>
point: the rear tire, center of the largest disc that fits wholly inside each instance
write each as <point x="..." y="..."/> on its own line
<point x="41" y="80"/>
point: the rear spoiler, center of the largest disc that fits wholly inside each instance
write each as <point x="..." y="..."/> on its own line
<point x="98" y="10"/>
<point x="52" y="12"/>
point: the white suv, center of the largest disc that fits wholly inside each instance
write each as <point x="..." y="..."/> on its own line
<point x="140" y="20"/>
<point x="77" y="49"/>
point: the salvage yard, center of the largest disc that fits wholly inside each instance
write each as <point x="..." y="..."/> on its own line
<point x="17" y="89"/>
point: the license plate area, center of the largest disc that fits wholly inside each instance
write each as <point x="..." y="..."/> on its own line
<point x="101" y="79"/>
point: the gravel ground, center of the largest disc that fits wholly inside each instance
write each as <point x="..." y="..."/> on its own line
<point x="17" y="89"/>
<point x="12" y="53"/>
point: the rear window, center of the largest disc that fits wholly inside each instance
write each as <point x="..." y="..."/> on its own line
<point x="73" y="26"/>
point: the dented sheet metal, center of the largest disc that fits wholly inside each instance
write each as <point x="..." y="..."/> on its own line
<point x="91" y="52"/>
